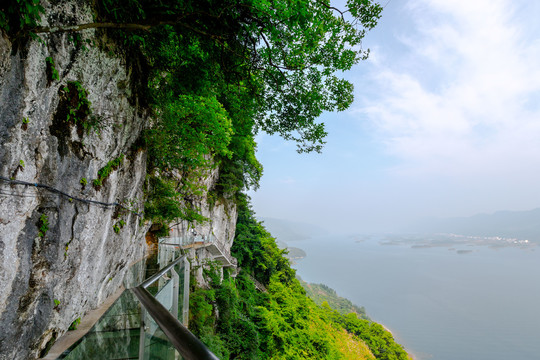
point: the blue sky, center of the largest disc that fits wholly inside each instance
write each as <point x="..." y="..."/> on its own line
<point x="446" y="122"/>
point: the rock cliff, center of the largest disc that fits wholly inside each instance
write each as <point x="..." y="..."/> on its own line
<point x="60" y="257"/>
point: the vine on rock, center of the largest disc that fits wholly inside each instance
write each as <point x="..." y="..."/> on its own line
<point x="105" y="171"/>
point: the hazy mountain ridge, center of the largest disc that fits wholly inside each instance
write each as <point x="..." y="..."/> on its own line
<point x="289" y="231"/>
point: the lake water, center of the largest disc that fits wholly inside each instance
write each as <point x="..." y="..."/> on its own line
<point x="441" y="305"/>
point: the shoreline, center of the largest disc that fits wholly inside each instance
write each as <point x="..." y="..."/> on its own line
<point x="409" y="353"/>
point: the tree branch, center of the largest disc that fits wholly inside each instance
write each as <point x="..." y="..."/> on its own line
<point x="341" y="13"/>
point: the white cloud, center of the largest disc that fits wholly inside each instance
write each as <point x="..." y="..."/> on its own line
<point x="287" y="180"/>
<point x="465" y="99"/>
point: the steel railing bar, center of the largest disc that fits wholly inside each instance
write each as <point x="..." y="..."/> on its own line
<point x="187" y="344"/>
<point x="146" y="283"/>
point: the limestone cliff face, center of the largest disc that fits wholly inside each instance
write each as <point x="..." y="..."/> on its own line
<point x="220" y="227"/>
<point x="48" y="281"/>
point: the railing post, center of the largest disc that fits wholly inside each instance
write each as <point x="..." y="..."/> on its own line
<point x="185" y="304"/>
<point x="176" y="289"/>
<point x="142" y="335"/>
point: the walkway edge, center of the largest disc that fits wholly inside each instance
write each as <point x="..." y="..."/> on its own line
<point x="72" y="336"/>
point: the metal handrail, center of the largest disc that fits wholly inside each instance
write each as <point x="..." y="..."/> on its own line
<point x="146" y="283"/>
<point x="233" y="261"/>
<point x="187" y="344"/>
<point x="187" y="239"/>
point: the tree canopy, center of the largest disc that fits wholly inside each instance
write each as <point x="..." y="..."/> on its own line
<point x="286" y="53"/>
<point x="283" y="54"/>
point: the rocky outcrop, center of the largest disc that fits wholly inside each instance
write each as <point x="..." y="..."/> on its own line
<point x="220" y="228"/>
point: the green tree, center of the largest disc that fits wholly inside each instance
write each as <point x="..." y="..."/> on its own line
<point x="286" y="52"/>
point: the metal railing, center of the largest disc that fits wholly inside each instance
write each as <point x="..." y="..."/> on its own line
<point x="170" y="268"/>
<point x="187" y="240"/>
<point x="187" y="344"/>
<point x="145" y="322"/>
<point x="226" y="254"/>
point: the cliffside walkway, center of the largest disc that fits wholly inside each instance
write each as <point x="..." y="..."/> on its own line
<point x="258" y="285"/>
<point x="148" y="321"/>
<point x="210" y="242"/>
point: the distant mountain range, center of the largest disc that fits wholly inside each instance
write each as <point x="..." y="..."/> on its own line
<point x="289" y="231"/>
<point x="515" y="224"/>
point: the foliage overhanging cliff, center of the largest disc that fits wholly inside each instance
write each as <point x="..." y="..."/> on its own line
<point x="216" y="73"/>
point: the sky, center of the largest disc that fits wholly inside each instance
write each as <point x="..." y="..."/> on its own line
<point x="446" y="122"/>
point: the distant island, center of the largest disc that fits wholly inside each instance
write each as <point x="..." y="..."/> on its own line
<point x="295" y="253"/>
<point x="452" y="241"/>
<point x="496" y="227"/>
<point x="286" y="231"/>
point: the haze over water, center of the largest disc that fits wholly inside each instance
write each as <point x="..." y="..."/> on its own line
<point x="441" y="305"/>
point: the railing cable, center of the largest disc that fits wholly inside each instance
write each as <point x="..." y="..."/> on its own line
<point x="59" y="192"/>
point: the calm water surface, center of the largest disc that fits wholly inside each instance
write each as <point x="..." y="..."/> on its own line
<point x="483" y="305"/>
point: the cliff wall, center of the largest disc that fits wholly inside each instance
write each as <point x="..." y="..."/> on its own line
<point x="61" y="257"/>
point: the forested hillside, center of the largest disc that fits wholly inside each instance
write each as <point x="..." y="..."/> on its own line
<point x="321" y="293"/>
<point x="237" y="321"/>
